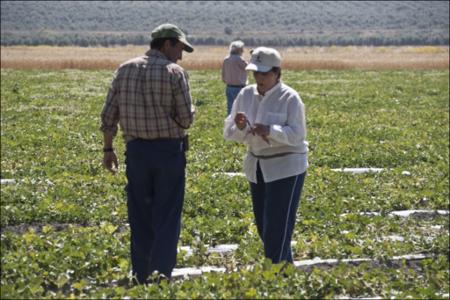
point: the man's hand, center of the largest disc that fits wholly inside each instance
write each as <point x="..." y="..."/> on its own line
<point x="110" y="162"/>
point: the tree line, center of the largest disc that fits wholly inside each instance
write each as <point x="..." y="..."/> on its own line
<point x="109" y="40"/>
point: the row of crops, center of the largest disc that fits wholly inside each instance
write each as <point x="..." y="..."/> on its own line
<point x="64" y="229"/>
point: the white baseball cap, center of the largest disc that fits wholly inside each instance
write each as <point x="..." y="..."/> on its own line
<point x="236" y="45"/>
<point x="264" y="59"/>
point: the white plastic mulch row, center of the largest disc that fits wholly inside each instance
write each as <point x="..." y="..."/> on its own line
<point x="343" y="170"/>
<point x="359" y="170"/>
<point x="234" y="174"/>
<point x="226" y="248"/>
<point x="408" y="213"/>
<point x="365" y="170"/>
<point x="302" y="264"/>
<point x="8" y="181"/>
<point x="229" y="248"/>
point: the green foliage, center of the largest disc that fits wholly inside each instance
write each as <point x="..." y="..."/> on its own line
<point x="63" y="222"/>
<point x="280" y="23"/>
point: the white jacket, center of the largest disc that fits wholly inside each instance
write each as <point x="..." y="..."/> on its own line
<point x="282" y="109"/>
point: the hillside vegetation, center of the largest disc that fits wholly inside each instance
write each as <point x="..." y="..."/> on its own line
<point x="276" y="23"/>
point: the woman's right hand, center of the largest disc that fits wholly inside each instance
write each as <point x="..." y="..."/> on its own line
<point x="240" y="120"/>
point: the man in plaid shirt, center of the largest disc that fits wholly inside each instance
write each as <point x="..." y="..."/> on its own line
<point x="149" y="97"/>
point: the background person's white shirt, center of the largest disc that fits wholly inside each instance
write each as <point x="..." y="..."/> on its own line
<point x="282" y="109"/>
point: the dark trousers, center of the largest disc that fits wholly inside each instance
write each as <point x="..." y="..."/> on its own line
<point x="231" y="92"/>
<point x="275" y="205"/>
<point x="155" y="171"/>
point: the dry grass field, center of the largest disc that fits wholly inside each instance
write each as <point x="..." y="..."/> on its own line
<point x="210" y="57"/>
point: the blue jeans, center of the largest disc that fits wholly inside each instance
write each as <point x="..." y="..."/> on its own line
<point x="275" y="206"/>
<point x="231" y="93"/>
<point x="155" y="171"/>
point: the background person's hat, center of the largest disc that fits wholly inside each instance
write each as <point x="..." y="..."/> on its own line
<point x="264" y="59"/>
<point x="236" y="45"/>
<point x="172" y="31"/>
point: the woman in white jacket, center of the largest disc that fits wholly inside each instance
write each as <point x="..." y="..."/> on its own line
<point x="269" y="117"/>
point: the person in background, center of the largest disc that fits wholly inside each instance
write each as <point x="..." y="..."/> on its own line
<point x="269" y="117"/>
<point x="234" y="74"/>
<point x="150" y="98"/>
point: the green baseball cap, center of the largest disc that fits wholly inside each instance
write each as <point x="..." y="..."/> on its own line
<point x="172" y="31"/>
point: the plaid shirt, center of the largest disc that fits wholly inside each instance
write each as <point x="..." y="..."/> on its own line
<point x="149" y="97"/>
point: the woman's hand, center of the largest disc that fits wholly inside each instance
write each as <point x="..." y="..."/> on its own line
<point x="262" y="130"/>
<point x="240" y="120"/>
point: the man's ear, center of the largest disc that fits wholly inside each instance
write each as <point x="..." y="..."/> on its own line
<point x="166" y="44"/>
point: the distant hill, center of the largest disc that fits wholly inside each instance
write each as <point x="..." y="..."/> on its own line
<point x="282" y="23"/>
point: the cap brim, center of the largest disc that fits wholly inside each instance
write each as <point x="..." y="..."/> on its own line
<point x="187" y="47"/>
<point x="257" y="68"/>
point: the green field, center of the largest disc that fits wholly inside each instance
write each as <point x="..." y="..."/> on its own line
<point x="63" y="223"/>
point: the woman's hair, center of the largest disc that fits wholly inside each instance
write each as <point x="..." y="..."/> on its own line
<point x="158" y="43"/>
<point x="276" y="70"/>
<point x="236" y="47"/>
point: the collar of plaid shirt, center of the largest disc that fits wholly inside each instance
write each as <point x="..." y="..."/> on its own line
<point x="156" y="53"/>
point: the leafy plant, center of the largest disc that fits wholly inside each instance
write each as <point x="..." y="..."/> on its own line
<point x="64" y="230"/>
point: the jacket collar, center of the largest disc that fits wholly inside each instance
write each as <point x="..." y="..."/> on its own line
<point x="269" y="92"/>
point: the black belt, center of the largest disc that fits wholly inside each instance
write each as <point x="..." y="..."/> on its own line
<point x="274" y="155"/>
<point x="235" y="86"/>
<point x="181" y="143"/>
